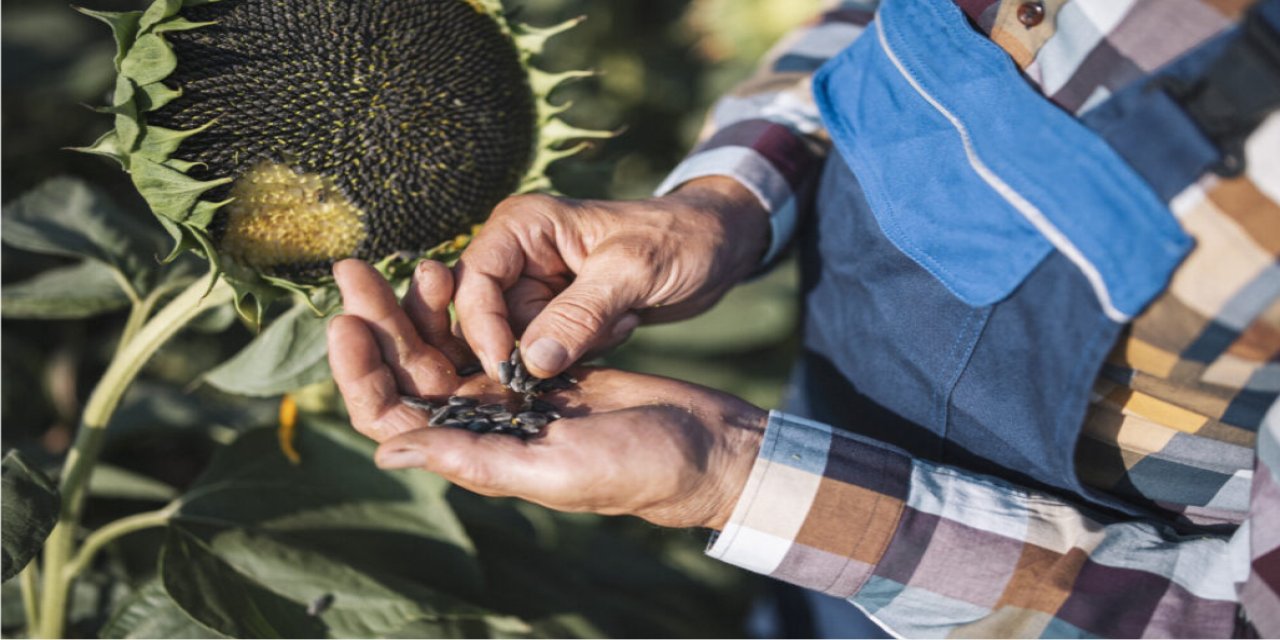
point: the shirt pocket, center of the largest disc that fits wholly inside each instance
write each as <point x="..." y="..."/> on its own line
<point x="977" y="178"/>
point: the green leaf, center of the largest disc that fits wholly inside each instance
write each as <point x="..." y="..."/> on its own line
<point x="68" y="217"/>
<point x="386" y="545"/>
<point x="110" y="481"/>
<point x="289" y="354"/>
<point x="170" y="193"/>
<point x="178" y="23"/>
<point x="155" y="95"/>
<point x="126" y="110"/>
<point x="124" y="26"/>
<point x="158" y="143"/>
<point x="29" y="506"/>
<point x="107" y="146"/>
<point x="79" y="291"/>
<point x="150" y="59"/>
<point x="158" y="11"/>
<point x="217" y="595"/>
<point x="149" y="612"/>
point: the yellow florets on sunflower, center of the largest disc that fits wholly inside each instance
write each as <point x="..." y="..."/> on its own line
<point x="278" y="136"/>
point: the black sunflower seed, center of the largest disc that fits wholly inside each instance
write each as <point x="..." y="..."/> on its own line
<point x="461" y="401"/>
<point x="533" y="419"/>
<point x="320" y="605"/>
<point x="440" y="415"/>
<point x="417" y="403"/>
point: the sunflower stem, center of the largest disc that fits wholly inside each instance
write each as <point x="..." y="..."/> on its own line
<point x="124" y="526"/>
<point x="28" y="581"/>
<point x="133" y="353"/>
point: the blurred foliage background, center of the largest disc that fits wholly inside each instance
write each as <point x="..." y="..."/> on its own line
<point x="661" y="63"/>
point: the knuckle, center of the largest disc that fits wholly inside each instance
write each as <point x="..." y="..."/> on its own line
<point x="525" y="204"/>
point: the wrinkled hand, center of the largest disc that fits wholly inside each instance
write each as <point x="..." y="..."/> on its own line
<point x="575" y="276"/>
<point x="673" y="453"/>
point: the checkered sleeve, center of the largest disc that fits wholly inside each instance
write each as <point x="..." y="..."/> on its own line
<point x="767" y="133"/>
<point x="929" y="550"/>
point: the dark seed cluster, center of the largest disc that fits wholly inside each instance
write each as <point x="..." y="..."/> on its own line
<point x="526" y="420"/>
<point x="419" y="110"/>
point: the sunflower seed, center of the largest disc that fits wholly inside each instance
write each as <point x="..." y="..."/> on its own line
<point x="417" y="403"/>
<point x="533" y="419"/>
<point x="501" y="416"/>
<point x="505" y="371"/>
<point x="478" y="427"/>
<point x="460" y="401"/>
<point x="320" y="605"/>
<point x="439" y="415"/>
<point x="490" y="409"/>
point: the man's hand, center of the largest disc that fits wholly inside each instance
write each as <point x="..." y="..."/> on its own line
<point x="673" y="453"/>
<point x="578" y="276"/>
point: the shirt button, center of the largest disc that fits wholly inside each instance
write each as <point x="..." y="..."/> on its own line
<point x="1031" y="14"/>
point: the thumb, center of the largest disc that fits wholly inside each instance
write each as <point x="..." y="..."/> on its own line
<point x="587" y="314"/>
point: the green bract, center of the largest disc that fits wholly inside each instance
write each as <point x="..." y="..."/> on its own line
<point x="277" y="136"/>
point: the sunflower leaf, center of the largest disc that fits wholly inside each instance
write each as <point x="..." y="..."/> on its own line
<point x="178" y="23"/>
<point x="30" y="505"/>
<point x="158" y="11"/>
<point x="150" y="59"/>
<point x="288" y="354"/>
<point x="82" y="290"/>
<point x="108" y="146"/>
<point x="170" y="192"/>
<point x="68" y="217"/>
<point x="385" y="546"/>
<point x="126" y="110"/>
<point x="158" y="143"/>
<point x="149" y="612"/>
<point x="155" y="95"/>
<point x="124" y="27"/>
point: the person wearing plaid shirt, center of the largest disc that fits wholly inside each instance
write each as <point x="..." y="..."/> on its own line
<point x="1053" y="415"/>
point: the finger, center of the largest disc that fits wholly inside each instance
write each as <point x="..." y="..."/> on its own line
<point x="581" y="317"/>
<point x="427" y="305"/>
<point x="366" y="295"/>
<point x="366" y="383"/>
<point x="490" y="264"/>
<point x="526" y="299"/>
<point x="620" y="333"/>
<point x="484" y="463"/>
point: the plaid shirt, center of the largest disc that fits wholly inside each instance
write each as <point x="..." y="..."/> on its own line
<point x="1184" y="419"/>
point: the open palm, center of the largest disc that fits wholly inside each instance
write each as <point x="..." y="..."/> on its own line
<point x="674" y="453"/>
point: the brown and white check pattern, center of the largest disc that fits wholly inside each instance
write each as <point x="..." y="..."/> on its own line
<point x="1179" y="421"/>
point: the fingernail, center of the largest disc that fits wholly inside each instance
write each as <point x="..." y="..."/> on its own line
<point x="401" y="459"/>
<point x="625" y="325"/>
<point x="547" y="354"/>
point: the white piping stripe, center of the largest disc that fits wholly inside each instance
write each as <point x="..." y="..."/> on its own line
<point x="1028" y="210"/>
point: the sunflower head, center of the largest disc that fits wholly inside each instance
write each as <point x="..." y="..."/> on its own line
<point x="277" y="136"/>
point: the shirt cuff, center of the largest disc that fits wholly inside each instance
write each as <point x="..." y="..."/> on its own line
<point x="757" y="174"/>
<point x="819" y="508"/>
